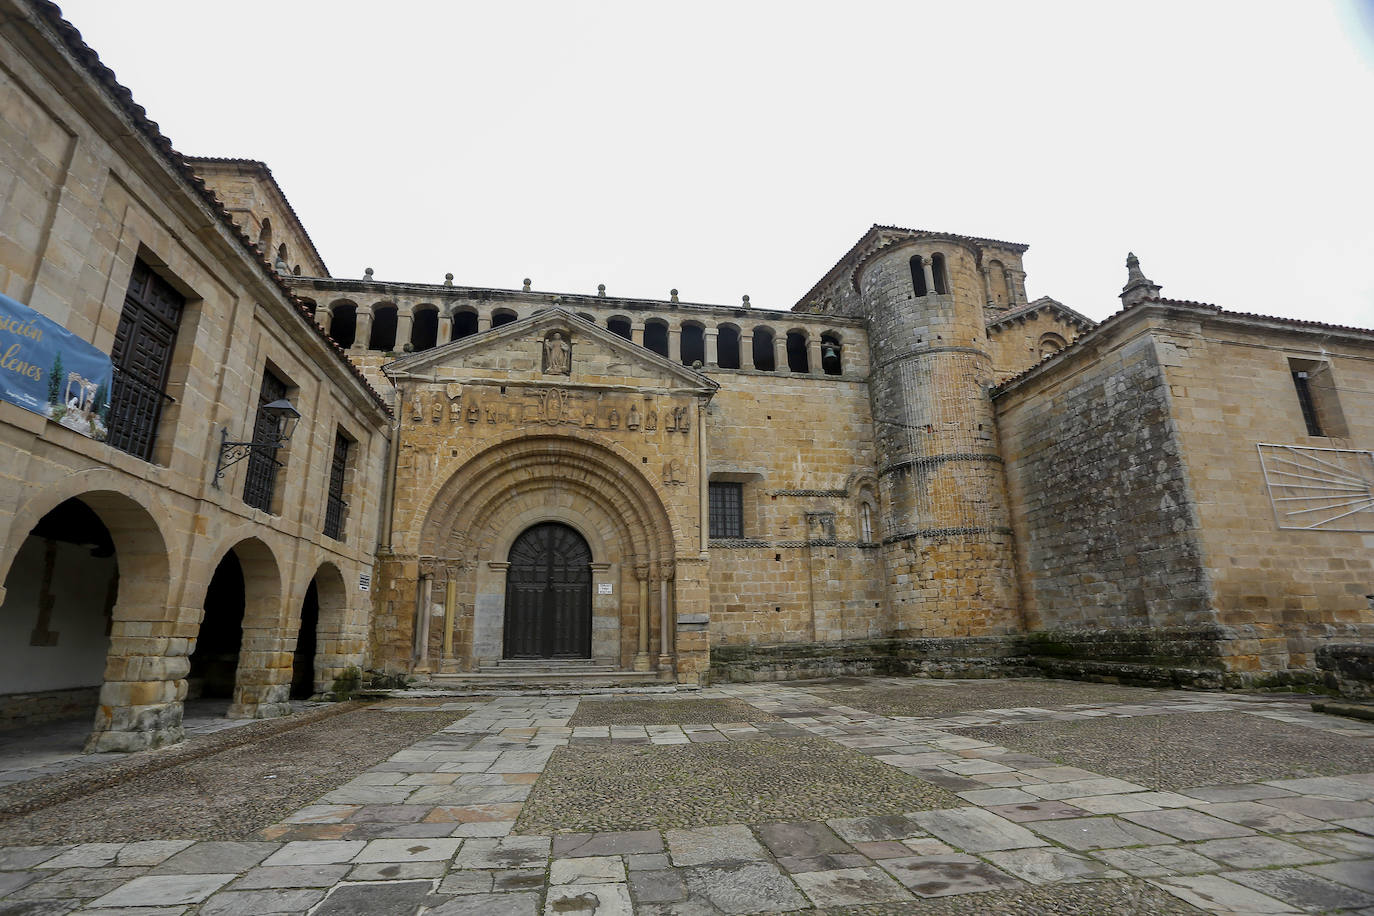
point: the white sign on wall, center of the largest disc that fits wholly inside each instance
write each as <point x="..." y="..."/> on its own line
<point x="604" y="588"/>
<point x="364" y="582"/>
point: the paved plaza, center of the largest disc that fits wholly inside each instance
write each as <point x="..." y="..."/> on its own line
<point x="848" y="796"/>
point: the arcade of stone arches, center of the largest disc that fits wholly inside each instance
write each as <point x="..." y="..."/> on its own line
<point x="126" y="625"/>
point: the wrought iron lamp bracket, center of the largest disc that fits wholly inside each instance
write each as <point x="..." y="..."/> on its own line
<point x="231" y="453"/>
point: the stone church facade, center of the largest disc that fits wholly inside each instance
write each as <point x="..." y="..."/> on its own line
<point x="915" y="469"/>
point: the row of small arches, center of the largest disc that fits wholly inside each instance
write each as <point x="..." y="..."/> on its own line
<point x="765" y="349"/>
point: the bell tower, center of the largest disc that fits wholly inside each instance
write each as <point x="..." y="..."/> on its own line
<point x="947" y="532"/>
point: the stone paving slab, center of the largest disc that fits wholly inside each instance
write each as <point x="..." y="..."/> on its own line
<point x="1002" y="846"/>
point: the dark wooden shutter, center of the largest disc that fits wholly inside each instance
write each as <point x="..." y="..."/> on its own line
<point x="142" y="358"/>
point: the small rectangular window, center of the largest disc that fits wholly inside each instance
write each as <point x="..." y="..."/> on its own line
<point x="335" y="508"/>
<point x="1316" y="389"/>
<point x="727" y="510"/>
<point x="1309" y="410"/>
<point x="260" y="485"/>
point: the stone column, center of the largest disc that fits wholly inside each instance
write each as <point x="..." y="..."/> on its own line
<point x="712" y="356"/>
<point x="665" y="610"/>
<point x="642" y="657"/>
<point x="403" y="324"/>
<point x="422" y="600"/>
<point x="484" y="321"/>
<point x="675" y="344"/>
<point x="324" y="317"/>
<point x="445" y="330"/>
<point x="813" y="356"/>
<point x="780" y="353"/>
<point x="746" y="350"/>
<point x="450" y="612"/>
<point x="362" y="329"/>
<point x="930" y="276"/>
<point x="637" y="333"/>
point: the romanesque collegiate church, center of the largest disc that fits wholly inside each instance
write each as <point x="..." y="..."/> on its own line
<point x="225" y="472"/>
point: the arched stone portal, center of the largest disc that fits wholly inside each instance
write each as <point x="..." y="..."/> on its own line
<point x="476" y="518"/>
<point x="549" y="594"/>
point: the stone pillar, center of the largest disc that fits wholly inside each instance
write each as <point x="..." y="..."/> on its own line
<point x="813" y="355"/>
<point x="637" y="333"/>
<point x="746" y="350"/>
<point x="324" y="317"/>
<point x="675" y="344"/>
<point x="422" y="600"/>
<point x="450" y="612"/>
<point x="363" y="329"/>
<point x="665" y="626"/>
<point x="930" y="276"/>
<point x="445" y="330"/>
<point x="780" y="352"/>
<point x="642" y="657"/>
<point x="403" y="325"/>
<point x="483" y="321"/>
<point x="141" y="697"/>
<point x="712" y="356"/>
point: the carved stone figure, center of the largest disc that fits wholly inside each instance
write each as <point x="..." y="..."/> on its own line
<point x="651" y="419"/>
<point x="438" y="410"/>
<point x="632" y="419"/>
<point x="557" y="355"/>
<point x="673" y="473"/>
<point x="455" y="411"/>
<point x="417" y="409"/>
<point x="681" y="415"/>
<point x="613" y="420"/>
<point x="670" y="421"/>
<point x="474" y="414"/>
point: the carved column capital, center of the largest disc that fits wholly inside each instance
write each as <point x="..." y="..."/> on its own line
<point x="666" y="570"/>
<point x="643" y="571"/>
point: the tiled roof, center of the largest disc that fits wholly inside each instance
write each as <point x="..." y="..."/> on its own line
<point x="259" y="166"/>
<point x="1184" y="303"/>
<point x="871" y="232"/>
<point x="1044" y="302"/>
<point x="121" y="95"/>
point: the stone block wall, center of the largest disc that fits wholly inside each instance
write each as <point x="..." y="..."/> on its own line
<point x="1281" y="591"/>
<point x="1107" y="531"/>
<point x="90" y="190"/>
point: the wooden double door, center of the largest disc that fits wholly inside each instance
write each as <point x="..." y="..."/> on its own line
<point x="549" y="594"/>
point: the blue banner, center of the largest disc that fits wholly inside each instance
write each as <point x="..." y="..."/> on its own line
<point x="49" y="370"/>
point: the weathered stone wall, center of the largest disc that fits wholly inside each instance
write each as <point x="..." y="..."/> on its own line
<point x="1106" y="523"/>
<point x="1282" y="591"/>
<point x="256" y="202"/>
<point x="87" y="192"/>
<point x="946" y="534"/>
<point x="1021" y="342"/>
<point x="802" y="449"/>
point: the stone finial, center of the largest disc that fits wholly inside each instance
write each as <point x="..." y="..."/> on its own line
<point x="448" y="279"/>
<point x="745" y="301"/>
<point x="526" y="287"/>
<point x="601" y="290"/>
<point x="1138" y="287"/>
<point x="672" y="293"/>
<point x="367" y="275"/>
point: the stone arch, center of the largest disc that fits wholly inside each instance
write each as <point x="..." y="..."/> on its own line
<point x="262" y="674"/>
<point x="343" y="321"/>
<point x="143" y="677"/>
<point x="493" y="496"/>
<point x="322" y="645"/>
<point x="728" y="345"/>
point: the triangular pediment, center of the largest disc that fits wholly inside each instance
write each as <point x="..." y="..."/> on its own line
<point x="551" y="347"/>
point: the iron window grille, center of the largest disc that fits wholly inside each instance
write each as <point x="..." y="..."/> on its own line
<point x="260" y="484"/>
<point x="335" y="508"/>
<point x="726" y="510"/>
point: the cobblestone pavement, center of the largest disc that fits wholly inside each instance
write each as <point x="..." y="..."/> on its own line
<point x="440" y="826"/>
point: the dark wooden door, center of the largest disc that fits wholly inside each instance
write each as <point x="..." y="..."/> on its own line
<point x="549" y="594"/>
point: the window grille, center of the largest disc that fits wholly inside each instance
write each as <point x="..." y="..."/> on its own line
<point x="726" y="510"/>
<point x="142" y="358"/>
<point x="261" y="482"/>
<point x="335" y="507"/>
<point x="1309" y="410"/>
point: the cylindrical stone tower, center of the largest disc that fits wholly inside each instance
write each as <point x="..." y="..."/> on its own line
<point x="947" y="538"/>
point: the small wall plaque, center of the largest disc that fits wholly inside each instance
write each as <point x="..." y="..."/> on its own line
<point x="605" y="588"/>
<point x="364" y="582"/>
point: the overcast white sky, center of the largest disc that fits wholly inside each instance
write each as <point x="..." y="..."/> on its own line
<point x="742" y="147"/>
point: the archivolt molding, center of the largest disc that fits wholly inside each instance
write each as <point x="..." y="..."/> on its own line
<point x="471" y="505"/>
